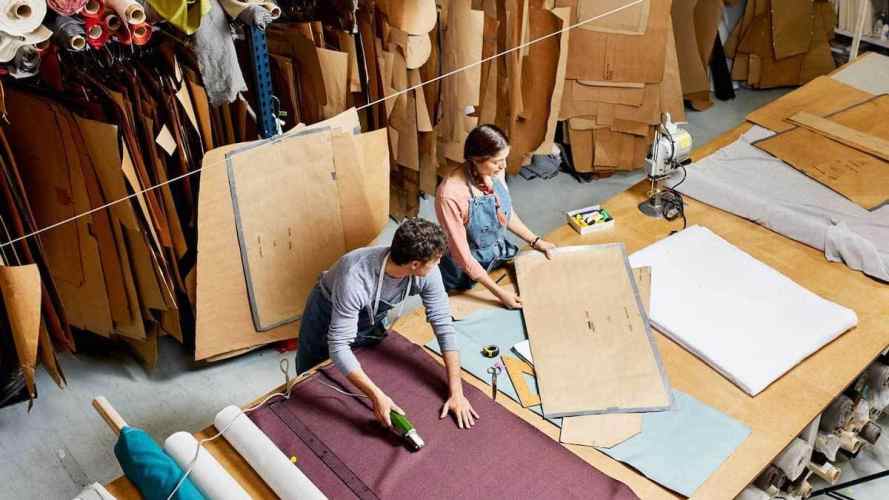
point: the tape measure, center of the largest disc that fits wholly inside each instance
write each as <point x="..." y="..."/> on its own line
<point x="490" y="351"/>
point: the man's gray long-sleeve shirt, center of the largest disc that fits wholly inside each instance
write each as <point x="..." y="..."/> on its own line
<point x="352" y="286"/>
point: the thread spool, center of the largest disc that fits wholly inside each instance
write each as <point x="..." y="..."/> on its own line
<point x="772" y="477"/>
<point x="278" y="472"/>
<point x="130" y="11"/>
<point x="141" y="34"/>
<point x="850" y="442"/>
<point x="792" y="461"/>
<point x="826" y="471"/>
<point x="206" y="473"/>
<point x="96" y="35"/>
<point x="92" y="9"/>
<point x="871" y="432"/>
<point x="20" y="11"/>
<point x="837" y="415"/>
<point x="828" y="445"/>
<point x="112" y="23"/>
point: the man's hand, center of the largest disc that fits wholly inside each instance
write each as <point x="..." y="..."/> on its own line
<point x="465" y="413"/>
<point x="383" y="406"/>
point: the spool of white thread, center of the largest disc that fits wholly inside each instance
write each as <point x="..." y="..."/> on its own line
<point x="278" y="472"/>
<point x="131" y="11"/>
<point x="18" y="17"/>
<point x="206" y="473"/>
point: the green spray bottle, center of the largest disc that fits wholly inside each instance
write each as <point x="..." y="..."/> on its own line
<point x="403" y="427"/>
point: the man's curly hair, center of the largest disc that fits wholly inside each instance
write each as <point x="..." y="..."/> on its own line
<point x="417" y="239"/>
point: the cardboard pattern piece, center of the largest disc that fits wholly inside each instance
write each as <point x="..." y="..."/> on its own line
<point x="616" y="57"/>
<point x="606" y="431"/>
<point x="629" y="21"/>
<point x="593" y="348"/>
<point x="517" y="370"/>
<point x="284" y="194"/>
<point x="416" y="17"/>
<point x="21" y="289"/>
<point x="853" y="173"/>
<point x="822" y="96"/>
<point x="792" y="25"/>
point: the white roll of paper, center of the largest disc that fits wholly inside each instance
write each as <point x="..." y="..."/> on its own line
<point x="278" y="472"/>
<point x="206" y="473"/>
<point x="18" y="17"/>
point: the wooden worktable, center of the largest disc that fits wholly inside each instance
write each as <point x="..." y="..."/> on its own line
<point x="775" y="416"/>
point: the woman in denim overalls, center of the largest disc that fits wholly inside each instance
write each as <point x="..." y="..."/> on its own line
<point x="476" y="226"/>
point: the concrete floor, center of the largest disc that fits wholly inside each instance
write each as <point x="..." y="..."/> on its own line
<point x="61" y="445"/>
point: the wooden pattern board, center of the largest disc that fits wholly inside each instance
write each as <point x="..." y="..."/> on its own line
<point x="593" y="349"/>
<point x="857" y="175"/>
<point x="285" y="201"/>
<point x="822" y="96"/>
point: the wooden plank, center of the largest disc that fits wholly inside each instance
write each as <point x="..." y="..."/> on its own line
<point x="847" y="135"/>
<point x="822" y="96"/>
<point x="592" y="348"/>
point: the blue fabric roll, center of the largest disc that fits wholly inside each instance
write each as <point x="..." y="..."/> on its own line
<point x="151" y="470"/>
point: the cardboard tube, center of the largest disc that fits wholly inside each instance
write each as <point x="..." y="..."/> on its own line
<point x="826" y="471"/>
<point x="77" y="42"/>
<point x="141" y="34"/>
<point x="792" y="461"/>
<point x="274" y="10"/>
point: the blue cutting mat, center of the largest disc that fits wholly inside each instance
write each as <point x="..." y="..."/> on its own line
<point x="678" y="449"/>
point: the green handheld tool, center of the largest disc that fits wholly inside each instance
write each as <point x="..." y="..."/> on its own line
<point x="403" y="427"/>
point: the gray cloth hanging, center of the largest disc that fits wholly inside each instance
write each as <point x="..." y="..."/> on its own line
<point x="217" y="60"/>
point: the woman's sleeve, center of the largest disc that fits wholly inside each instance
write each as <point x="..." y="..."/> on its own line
<point x="450" y="216"/>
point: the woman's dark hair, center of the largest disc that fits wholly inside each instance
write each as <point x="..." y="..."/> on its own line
<point x="417" y="239"/>
<point x="483" y="142"/>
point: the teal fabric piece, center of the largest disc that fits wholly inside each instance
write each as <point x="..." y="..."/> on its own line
<point x="678" y="449"/>
<point x="151" y="470"/>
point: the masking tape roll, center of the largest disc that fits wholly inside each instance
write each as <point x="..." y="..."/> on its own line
<point x="490" y="351"/>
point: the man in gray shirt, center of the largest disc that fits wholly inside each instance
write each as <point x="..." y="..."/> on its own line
<point x="349" y="304"/>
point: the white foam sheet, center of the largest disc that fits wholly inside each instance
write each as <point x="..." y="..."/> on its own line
<point x="746" y="320"/>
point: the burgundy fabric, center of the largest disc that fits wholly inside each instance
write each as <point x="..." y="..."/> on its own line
<point x="501" y="457"/>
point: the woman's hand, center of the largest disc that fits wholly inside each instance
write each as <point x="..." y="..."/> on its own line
<point x="462" y="409"/>
<point x="509" y="299"/>
<point x="546" y="247"/>
<point x="383" y="406"/>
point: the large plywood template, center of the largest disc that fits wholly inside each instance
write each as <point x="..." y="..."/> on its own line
<point x="849" y="136"/>
<point x="284" y="195"/>
<point x="630" y="20"/>
<point x="822" y="96"/>
<point x="593" y="349"/>
<point x="855" y="174"/>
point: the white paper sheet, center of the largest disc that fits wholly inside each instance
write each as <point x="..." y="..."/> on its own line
<point x="747" y="320"/>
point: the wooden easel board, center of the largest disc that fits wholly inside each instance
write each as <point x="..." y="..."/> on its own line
<point x="593" y="350"/>
<point x="855" y="174"/>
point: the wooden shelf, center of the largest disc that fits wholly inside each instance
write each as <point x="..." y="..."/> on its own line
<point x="865" y="38"/>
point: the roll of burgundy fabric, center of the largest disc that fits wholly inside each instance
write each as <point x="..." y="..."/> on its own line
<point x="502" y="456"/>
